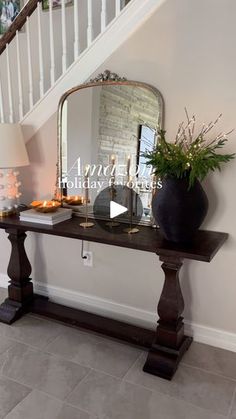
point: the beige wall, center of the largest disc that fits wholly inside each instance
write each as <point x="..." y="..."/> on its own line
<point x="187" y="50"/>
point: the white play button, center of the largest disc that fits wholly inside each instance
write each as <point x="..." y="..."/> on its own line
<point x="116" y="209"/>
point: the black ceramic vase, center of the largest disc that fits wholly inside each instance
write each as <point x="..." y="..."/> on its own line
<point x="179" y="211"/>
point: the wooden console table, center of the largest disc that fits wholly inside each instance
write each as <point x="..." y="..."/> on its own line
<point x="167" y="345"/>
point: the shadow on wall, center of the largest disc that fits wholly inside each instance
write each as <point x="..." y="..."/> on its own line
<point x="213" y="199"/>
<point x="38" y="179"/>
<point x="39" y="260"/>
<point x="186" y="289"/>
<point x="27" y="174"/>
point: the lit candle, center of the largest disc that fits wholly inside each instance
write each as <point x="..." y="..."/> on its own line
<point x="86" y="183"/>
<point x="113" y="169"/>
<point x="113" y="161"/>
<point x="73" y="199"/>
<point x="128" y="168"/>
<point x="44" y="206"/>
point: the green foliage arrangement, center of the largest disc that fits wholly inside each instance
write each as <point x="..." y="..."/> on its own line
<point x="191" y="156"/>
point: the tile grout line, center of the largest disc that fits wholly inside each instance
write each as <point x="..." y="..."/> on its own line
<point x="35" y="388"/>
<point x="78" y="384"/>
<point x="5" y="417"/>
<point x="217" y="374"/>
<point x="45" y="351"/>
<point x="64" y="401"/>
<point x="4" y="354"/>
<point x="17" y="340"/>
<point x="61" y="357"/>
<point x="148" y="390"/>
<point x="176" y="399"/>
<point x="132" y="366"/>
<point x="43" y="348"/>
<point x="51" y="340"/>
<point x="58" y="356"/>
<point x="17" y="382"/>
<point x="118" y="379"/>
<point x="68" y="326"/>
<point x="71" y="328"/>
<point x="232" y="403"/>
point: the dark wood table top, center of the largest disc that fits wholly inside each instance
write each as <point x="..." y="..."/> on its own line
<point x="203" y="248"/>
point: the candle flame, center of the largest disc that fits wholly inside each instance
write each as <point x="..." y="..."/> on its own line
<point x="45" y="204"/>
<point x="86" y="171"/>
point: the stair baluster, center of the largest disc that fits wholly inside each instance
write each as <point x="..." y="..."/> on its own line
<point x="63" y="32"/>
<point x="104" y="15"/>
<point x="19" y="76"/>
<point x="41" y="72"/>
<point x="9" y="85"/>
<point x="52" y="52"/>
<point x="1" y="104"/>
<point x="90" y="23"/>
<point x="118" y="7"/>
<point x="76" y="30"/>
<point x="30" y="73"/>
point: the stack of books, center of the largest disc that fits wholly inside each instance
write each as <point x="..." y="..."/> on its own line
<point x="49" y="218"/>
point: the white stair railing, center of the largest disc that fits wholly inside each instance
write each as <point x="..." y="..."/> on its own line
<point x="9" y="86"/>
<point x="1" y="105"/>
<point x="19" y="77"/>
<point x="42" y="44"/>
<point x="40" y="49"/>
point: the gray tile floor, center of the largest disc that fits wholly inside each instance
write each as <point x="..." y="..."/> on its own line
<point x="50" y="371"/>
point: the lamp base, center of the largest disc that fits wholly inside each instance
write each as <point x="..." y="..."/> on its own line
<point x="7" y="213"/>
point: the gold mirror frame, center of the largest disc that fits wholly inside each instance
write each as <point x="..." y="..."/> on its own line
<point x="104" y="79"/>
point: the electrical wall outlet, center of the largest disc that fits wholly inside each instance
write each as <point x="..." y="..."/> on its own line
<point x="89" y="259"/>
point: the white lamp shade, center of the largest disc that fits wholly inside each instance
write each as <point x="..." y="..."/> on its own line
<point x="12" y="146"/>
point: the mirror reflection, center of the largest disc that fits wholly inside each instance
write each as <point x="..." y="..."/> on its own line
<point x="104" y="130"/>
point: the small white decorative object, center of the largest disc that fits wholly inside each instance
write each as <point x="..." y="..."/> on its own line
<point x="12" y="154"/>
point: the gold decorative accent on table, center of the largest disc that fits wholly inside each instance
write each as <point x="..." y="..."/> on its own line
<point x="74" y="200"/>
<point x="131" y="230"/>
<point x="6" y="213"/>
<point x="86" y="224"/>
<point x="45" y="206"/>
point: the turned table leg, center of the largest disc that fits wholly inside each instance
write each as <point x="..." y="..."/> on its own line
<point x="20" y="290"/>
<point x="170" y="343"/>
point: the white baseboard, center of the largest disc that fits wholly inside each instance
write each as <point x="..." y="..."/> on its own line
<point x="204" y="334"/>
<point x="3" y="281"/>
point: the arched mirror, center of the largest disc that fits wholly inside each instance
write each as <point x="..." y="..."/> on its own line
<point x="103" y="128"/>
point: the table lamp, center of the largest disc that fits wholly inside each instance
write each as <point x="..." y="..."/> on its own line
<point x="13" y="154"/>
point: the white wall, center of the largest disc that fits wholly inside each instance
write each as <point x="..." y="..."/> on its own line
<point x="186" y="50"/>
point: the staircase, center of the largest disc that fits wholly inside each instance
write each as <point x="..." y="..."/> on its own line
<point x="46" y="52"/>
